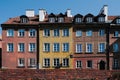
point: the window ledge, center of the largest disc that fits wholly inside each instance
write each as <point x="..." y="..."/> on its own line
<point x="32" y="51"/>
<point x="32" y="66"/>
<point x="115" y="37"/>
<point x="100" y="52"/>
<point x="88" y="52"/>
<point x="46" y="66"/>
<point x="10" y="36"/>
<point x="21" y="52"/>
<point x="78" y="52"/>
<point x="20" y="66"/>
<point x="10" y="51"/>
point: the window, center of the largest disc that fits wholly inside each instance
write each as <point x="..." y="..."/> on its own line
<point x="21" y="62"/>
<point x="101" y="47"/>
<point x="32" y="62"/>
<point x="24" y="20"/>
<point x="46" y="62"/>
<point x="65" y="62"/>
<point x="115" y="47"/>
<point x="21" y="47"/>
<point x="10" y="47"/>
<point x="78" y="20"/>
<point x="78" y="48"/>
<point x="56" y="62"/>
<point x="46" y="32"/>
<point x="56" y="32"/>
<point x="101" y="32"/>
<point x="89" y="64"/>
<point x="78" y="33"/>
<point x="116" y="64"/>
<point x="32" y="32"/>
<point x="46" y="47"/>
<point x="51" y="20"/>
<point x="32" y="47"/>
<point x="89" y="48"/>
<point x="101" y="19"/>
<point x="118" y="21"/>
<point x="65" y="47"/>
<point x="56" y="47"/>
<point x="21" y="32"/>
<point x="89" y="19"/>
<point x="116" y="34"/>
<point x="78" y="64"/>
<point x="89" y="33"/>
<point x="60" y="19"/>
<point x="65" y="32"/>
<point x="10" y="32"/>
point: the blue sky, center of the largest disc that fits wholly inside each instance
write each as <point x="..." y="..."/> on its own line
<point x="12" y="8"/>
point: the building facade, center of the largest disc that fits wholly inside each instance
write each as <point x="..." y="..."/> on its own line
<point x="62" y="41"/>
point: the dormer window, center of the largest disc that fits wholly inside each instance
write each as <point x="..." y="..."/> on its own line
<point x="24" y="19"/>
<point x="89" y="19"/>
<point x="118" y="21"/>
<point x="101" y="19"/>
<point x="78" y="20"/>
<point x="51" y="20"/>
<point x="60" y="19"/>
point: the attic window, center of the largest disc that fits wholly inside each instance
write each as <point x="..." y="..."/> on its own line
<point x="118" y="21"/>
<point x="78" y="20"/>
<point x="24" y="20"/>
<point x="101" y="19"/>
<point x="89" y="19"/>
<point x="60" y="19"/>
<point x="51" y="20"/>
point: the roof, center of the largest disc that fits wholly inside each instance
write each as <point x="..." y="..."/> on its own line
<point x="35" y="20"/>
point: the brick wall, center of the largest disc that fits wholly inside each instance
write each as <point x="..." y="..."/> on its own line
<point x="54" y="74"/>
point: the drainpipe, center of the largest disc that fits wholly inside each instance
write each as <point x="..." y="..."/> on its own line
<point x="107" y="47"/>
<point x="37" y="55"/>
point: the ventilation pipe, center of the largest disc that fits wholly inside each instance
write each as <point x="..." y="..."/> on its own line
<point x="30" y="13"/>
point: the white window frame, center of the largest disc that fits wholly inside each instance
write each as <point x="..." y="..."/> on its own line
<point x="78" y="64"/>
<point x="65" y="47"/>
<point x="56" y="62"/>
<point x="56" y="47"/>
<point x="32" y="47"/>
<point x="65" y="32"/>
<point x="78" y="33"/>
<point x="46" y="62"/>
<point x="21" y="47"/>
<point x="56" y="32"/>
<point x="51" y="20"/>
<point x="101" y="32"/>
<point x="100" y="47"/>
<point x="10" y="47"/>
<point x="78" y="48"/>
<point x="10" y="33"/>
<point x="78" y="20"/>
<point x="89" y="49"/>
<point x="89" y="33"/>
<point x="101" y="19"/>
<point x="60" y="19"/>
<point x="46" y="47"/>
<point x="21" y="32"/>
<point x="21" y="62"/>
<point x="46" y="32"/>
<point x="64" y="62"/>
<point x="89" y="19"/>
<point x="32" y="33"/>
<point x="32" y="62"/>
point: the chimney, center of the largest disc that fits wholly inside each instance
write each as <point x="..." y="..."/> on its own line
<point x="69" y="13"/>
<point x="42" y="14"/>
<point x="105" y="8"/>
<point x="30" y="13"/>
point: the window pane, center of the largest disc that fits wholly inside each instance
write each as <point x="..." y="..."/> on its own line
<point x="10" y="32"/>
<point x="46" y="32"/>
<point x="21" y="33"/>
<point x="32" y="32"/>
<point x="89" y="48"/>
<point x="47" y="47"/>
<point x="56" y="32"/>
<point x="116" y="34"/>
<point x="46" y="62"/>
<point x="78" y="64"/>
<point x="10" y="47"/>
<point x="21" y="62"/>
<point x="101" y="47"/>
<point x="78" y="48"/>
<point x="89" y="33"/>
<point x="101" y="32"/>
<point x="21" y="47"/>
<point x="65" y="32"/>
<point x="65" y="47"/>
<point x="78" y="33"/>
<point x="66" y="62"/>
<point x="32" y="47"/>
<point x="56" y="47"/>
<point x="115" y="47"/>
<point x="56" y="62"/>
<point x="89" y="64"/>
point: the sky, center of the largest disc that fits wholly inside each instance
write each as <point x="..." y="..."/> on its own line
<point x="13" y="8"/>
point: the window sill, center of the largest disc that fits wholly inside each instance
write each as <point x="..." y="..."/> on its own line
<point x="65" y="51"/>
<point x="20" y="66"/>
<point x="32" y="36"/>
<point x="10" y="36"/>
<point x="46" y="66"/>
<point x="78" y="52"/>
<point x="88" y="52"/>
<point x="46" y="51"/>
<point x="21" y="36"/>
<point x="21" y="52"/>
<point x="115" y="37"/>
<point x="65" y="66"/>
<point x="32" y="51"/>
<point x="100" y="52"/>
<point x="32" y="66"/>
<point x="10" y="51"/>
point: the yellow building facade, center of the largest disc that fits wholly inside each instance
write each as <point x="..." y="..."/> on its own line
<point x="55" y="46"/>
